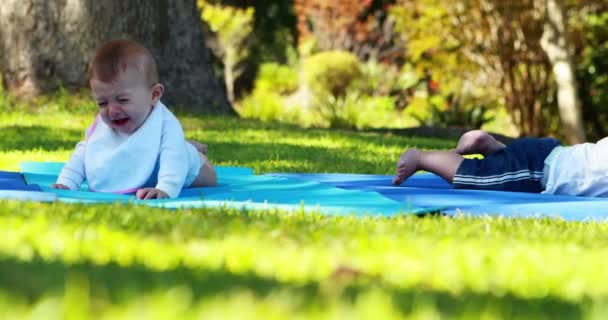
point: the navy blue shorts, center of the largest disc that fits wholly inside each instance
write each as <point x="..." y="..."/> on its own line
<point x="518" y="167"/>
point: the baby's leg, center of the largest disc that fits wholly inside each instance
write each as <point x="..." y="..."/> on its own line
<point x="478" y="141"/>
<point x="443" y="163"/>
<point x="206" y="174"/>
<point x="200" y="147"/>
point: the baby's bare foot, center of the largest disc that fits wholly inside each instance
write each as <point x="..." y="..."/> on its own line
<point x="407" y="165"/>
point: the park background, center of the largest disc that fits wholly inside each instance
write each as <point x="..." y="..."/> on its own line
<point x="305" y="86"/>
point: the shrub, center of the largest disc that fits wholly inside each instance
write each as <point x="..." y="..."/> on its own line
<point x="262" y="105"/>
<point x="273" y="77"/>
<point x="331" y="72"/>
<point x="379" y="79"/>
<point x="354" y="110"/>
<point x="452" y="112"/>
<point x="233" y="27"/>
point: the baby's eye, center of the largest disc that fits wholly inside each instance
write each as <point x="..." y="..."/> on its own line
<point x="102" y="104"/>
<point x="123" y="100"/>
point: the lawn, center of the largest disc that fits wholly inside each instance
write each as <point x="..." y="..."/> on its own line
<point x="116" y="261"/>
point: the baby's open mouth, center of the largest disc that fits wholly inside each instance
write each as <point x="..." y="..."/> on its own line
<point x="120" y="122"/>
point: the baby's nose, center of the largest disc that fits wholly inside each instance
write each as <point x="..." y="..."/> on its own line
<point x="114" y="110"/>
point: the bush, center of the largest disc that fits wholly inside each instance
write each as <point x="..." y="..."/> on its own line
<point x="378" y="79"/>
<point x="339" y="93"/>
<point x="450" y="112"/>
<point x="331" y="72"/>
<point x="262" y="105"/>
<point x="273" y="77"/>
<point x="354" y="110"/>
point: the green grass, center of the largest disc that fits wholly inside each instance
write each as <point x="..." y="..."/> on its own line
<point x="115" y="261"/>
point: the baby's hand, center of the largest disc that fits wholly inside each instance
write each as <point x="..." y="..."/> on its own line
<point x="150" y="193"/>
<point x="59" y="186"/>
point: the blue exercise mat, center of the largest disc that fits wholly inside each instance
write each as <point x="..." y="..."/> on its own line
<point x="339" y="194"/>
<point x="15" y="181"/>
<point x="426" y="189"/>
<point x="13" y="186"/>
<point x="240" y="188"/>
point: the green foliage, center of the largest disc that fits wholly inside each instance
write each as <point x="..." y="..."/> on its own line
<point x="262" y="105"/>
<point x="379" y="79"/>
<point x="331" y="72"/>
<point x="267" y="101"/>
<point x="274" y="30"/>
<point x="232" y="25"/>
<point x="354" y="111"/>
<point x="369" y="100"/>
<point x="277" y="78"/>
<point x="433" y="44"/>
<point x="457" y="42"/>
<point x="592" y="74"/>
<point x="452" y="113"/>
<point x="340" y="112"/>
<point x="233" y="28"/>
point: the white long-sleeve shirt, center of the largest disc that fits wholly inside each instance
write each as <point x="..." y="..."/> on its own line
<point x="580" y="170"/>
<point x="156" y="154"/>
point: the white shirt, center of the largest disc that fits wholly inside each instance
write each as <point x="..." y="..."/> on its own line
<point x="156" y="154"/>
<point x="579" y="170"/>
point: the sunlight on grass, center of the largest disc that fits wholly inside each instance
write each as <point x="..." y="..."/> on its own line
<point x="264" y="147"/>
<point x="308" y="257"/>
<point x="9" y="161"/>
<point x="117" y="261"/>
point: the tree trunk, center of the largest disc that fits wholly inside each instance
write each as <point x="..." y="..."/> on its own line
<point x="229" y="62"/>
<point x="555" y="43"/>
<point x="47" y="44"/>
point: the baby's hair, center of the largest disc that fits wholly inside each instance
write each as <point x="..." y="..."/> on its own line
<point x="117" y="56"/>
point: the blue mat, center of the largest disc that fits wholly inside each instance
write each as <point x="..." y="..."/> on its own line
<point x="329" y="193"/>
<point x="425" y="190"/>
<point x="240" y="188"/>
<point x="15" y="181"/>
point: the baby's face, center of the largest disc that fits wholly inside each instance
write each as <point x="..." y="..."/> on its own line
<point x="125" y="103"/>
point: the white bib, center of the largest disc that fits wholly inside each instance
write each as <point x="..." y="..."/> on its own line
<point x="122" y="163"/>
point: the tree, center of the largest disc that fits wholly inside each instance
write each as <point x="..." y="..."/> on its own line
<point x="589" y="26"/>
<point x="47" y="44"/>
<point x="556" y="44"/>
<point x="489" y="45"/>
<point x="361" y="27"/>
<point x="233" y="27"/>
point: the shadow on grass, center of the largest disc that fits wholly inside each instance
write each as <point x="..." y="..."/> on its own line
<point x="437" y="132"/>
<point x="38" y="137"/>
<point x="120" y="284"/>
<point x="431" y="138"/>
<point x="293" y="158"/>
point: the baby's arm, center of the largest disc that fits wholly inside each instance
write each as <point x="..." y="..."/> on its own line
<point x="72" y="175"/>
<point x="173" y="167"/>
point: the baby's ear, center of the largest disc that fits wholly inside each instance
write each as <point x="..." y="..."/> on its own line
<point x="157" y="92"/>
